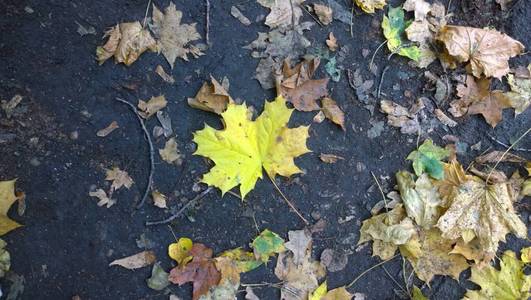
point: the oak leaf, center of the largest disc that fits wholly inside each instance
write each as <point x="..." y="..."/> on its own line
<point x="211" y="97"/>
<point x="487" y="51"/>
<point x="244" y="147"/>
<point x="7" y="198"/>
<point x="283" y="13"/>
<point x="369" y="6"/>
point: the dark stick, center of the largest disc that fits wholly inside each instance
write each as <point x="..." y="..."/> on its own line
<point x="151" y="151"/>
<point x="180" y="212"/>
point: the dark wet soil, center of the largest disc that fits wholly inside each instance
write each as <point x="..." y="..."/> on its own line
<point x="67" y="242"/>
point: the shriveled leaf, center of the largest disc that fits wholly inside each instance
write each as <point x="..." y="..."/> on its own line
<point x="136" y="261"/>
<point x="332" y="111"/>
<point x="330" y="158"/>
<point x="159" y="278"/>
<point x="126" y="42"/>
<point x="151" y="107"/>
<point x="444" y="118"/>
<point x="267" y="244"/>
<point x="420" y="198"/>
<point x="324" y="13"/>
<point x="394" y="26"/>
<point x="165" y="76"/>
<point x="119" y="179"/>
<point x="103" y="198"/>
<point x="369" y="6"/>
<point x="520" y="94"/>
<point x="427" y="158"/>
<point x="107" y="130"/>
<point x="211" y="97"/>
<point x="174" y="38"/>
<point x="5" y="259"/>
<point x="399" y="116"/>
<point x="250" y="295"/>
<point x="510" y="282"/>
<point x="201" y="271"/>
<point x="283" y="13"/>
<point x="170" y="153"/>
<point x="180" y="251"/>
<point x="244" y="147"/>
<point x="487" y="50"/>
<point x="159" y="199"/>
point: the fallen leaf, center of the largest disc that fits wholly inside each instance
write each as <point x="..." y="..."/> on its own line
<point x="267" y="244"/>
<point x="341" y="293"/>
<point x="250" y="295"/>
<point x="299" y="241"/>
<point x="510" y="282"/>
<point x="429" y="256"/>
<point x="102" y="196"/>
<point x="159" y="199"/>
<point x="231" y="263"/>
<point x="444" y="118"/>
<point x="319" y="292"/>
<point x="242" y="261"/>
<point x="427" y="158"/>
<point x="126" y="42"/>
<point x="7" y="198"/>
<point x="421" y="198"/>
<point x="454" y="177"/>
<point x="298" y="87"/>
<point x="173" y="37"/>
<point x="152" y="106"/>
<point x="499" y="156"/>
<point x="319" y="117"/>
<point x="520" y="94"/>
<point x="482" y="211"/>
<point x="330" y="158"/>
<point x="526" y="255"/>
<point x="170" y="153"/>
<point x="283" y="13"/>
<point x="244" y="147"/>
<point x="331" y="42"/>
<point x="394" y="26"/>
<point x="201" y="271"/>
<point x="180" y="251"/>
<point x="401" y="117"/>
<point x="5" y="259"/>
<point x="487" y="51"/>
<point x="491" y="107"/>
<point x="334" y="261"/>
<point x="165" y="76"/>
<point x="472" y="251"/>
<point x="417" y="294"/>
<point x="9" y="106"/>
<point x="235" y="12"/>
<point x="324" y="13"/>
<point x="333" y="112"/>
<point x="136" y="261"/>
<point x="369" y="6"/>
<point x="159" y="278"/>
<point x="119" y="179"/>
<point x="211" y="97"/>
<point x="107" y="130"/>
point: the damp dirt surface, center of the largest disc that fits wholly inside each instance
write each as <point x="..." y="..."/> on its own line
<point x="50" y="145"/>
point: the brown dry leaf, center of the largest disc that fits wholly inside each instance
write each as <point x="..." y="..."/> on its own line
<point x="102" y="196"/>
<point x="333" y="112"/>
<point x="201" y="271"/>
<point x="494" y="177"/>
<point x="324" y="13"/>
<point x="165" y="76"/>
<point x="298" y="87"/>
<point x="126" y="42"/>
<point x="159" y="199"/>
<point x="491" y="107"/>
<point x="149" y="108"/>
<point x="444" y="118"/>
<point x="170" y="153"/>
<point x="330" y="158"/>
<point x="487" y="50"/>
<point x="495" y="156"/>
<point x="211" y="97"/>
<point x="139" y="260"/>
<point x="119" y="179"/>
<point x="173" y="37"/>
<point x="401" y="117"/>
<point x="107" y="130"/>
<point x="235" y="12"/>
<point x="283" y="13"/>
<point x="319" y="117"/>
<point x="331" y="42"/>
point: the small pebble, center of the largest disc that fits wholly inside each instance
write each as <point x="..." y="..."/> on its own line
<point x="316" y="215"/>
<point x="74" y="135"/>
<point x="35" y="162"/>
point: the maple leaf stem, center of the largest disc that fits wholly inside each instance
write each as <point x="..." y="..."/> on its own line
<point x="370" y="269"/>
<point x="288" y="202"/>
<point x="505" y="153"/>
<point x="381" y="190"/>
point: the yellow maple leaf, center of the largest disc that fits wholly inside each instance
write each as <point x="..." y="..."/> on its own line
<point x="244" y="147"/>
<point x="7" y="198"/>
<point x="369" y="6"/>
<point x="180" y="251"/>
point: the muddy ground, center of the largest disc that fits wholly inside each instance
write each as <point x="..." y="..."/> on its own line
<point x="67" y="242"/>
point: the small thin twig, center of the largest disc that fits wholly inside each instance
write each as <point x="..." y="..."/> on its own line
<point x="289" y="202"/>
<point x="374" y="54"/>
<point x="381" y="191"/>
<point x="151" y="151"/>
<point x="404" y="275"/>
<point x="351" y="17"/>
<point x="381" y="81"/>
<point x="313" y="17"/>
<point x="180" y="212"/>
<point x="146" y="14"/>
<point x="393" y="279"/>
<point x="370" y="269"/>
<point x="505" y="153"/>
<point x="207" y="27"/>
<point x="507" y="146"/>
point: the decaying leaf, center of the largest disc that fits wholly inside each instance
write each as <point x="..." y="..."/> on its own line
<point x="159" y="278"/>
<point x="283" y="13"/>
<point x="165" y="76"/>
<point x="482" y="211"/>
<point x="159" y="199"/>
<point x="244" y="147"/>
<point x="102" y="196"/>
<point x="369" y="6"/>
<point x="180" y="251"/>
<point x="427" y="158"/>
<point x="201" y="271"/>
<point x="174" y="38"/>
<point x="332" y="111"/>
<point x="330" y="158"/>
<point x="331" y="42"/>
<point x="107" y="130"/>
<point x="235" y="12"/>
<point x="211" y="97"/>
<point x="333" y="260"/>
<point x="324" y="13"/>
<point x="394" y="26"/>
<point x="520" y="94"/>
<point x="126" y="42"/>
<point x="510" y="282"/>
<point x="444" y="118"/>
<point x="119" y="179"/>
<point x="299" y="241"/>
<point x="7" y="198"/>
<point x="501" y="156"/>
<point x="420" y="198"/>
<point x="136" y="261"/>
<point x="170" y="153"/>
<point x="298" y="87"/>
<point x="152" y="106"/>
<point x="401" y="117"/>
<point x="266" y="245"/>
<point x="487" y="50"/>
<point x="5" y="259"/>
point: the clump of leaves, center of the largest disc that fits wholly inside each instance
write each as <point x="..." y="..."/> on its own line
<point x="394" y="26"/>
<point x="244" y="147"/>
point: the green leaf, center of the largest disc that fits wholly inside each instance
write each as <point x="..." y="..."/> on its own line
<point x="427" y="159"/>
<point x="159" y="278"/>
<point x="243" y="260"/>
<point x="394" y="28"/>
<point x="417" y="294"/>
<point x="267" y="244"/>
